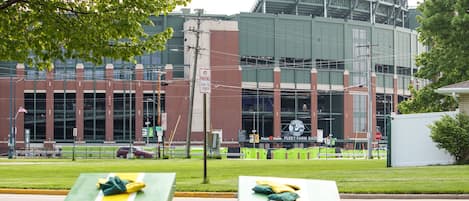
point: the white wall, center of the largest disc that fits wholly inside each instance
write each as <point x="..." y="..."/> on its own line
<point x="411" y="144"/>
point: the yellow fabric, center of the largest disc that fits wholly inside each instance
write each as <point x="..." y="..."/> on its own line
<point x="122" y="196"/>
<point x="278" y="187"/>
<point x="134" y="187"/>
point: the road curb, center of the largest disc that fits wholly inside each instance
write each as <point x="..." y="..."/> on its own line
<point x="234" y="195"/>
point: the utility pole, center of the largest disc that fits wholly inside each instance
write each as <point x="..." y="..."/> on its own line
<point x="370" y="105"/>
<point x="159" y="113"/>
<point x="369" y="134"/>
<point x="194" y="73"/>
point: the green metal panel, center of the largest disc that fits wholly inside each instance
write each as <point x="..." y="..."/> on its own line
<point x="331" y="40"/>
<point x="256" y="35"/>
<point x="403" y="49"/>
<point x="293" y="38"/>
<point x="249" y="74"/>
<point x="389" y="80"/>
<point x="413" y="46"/>
<point x="323" y="77"/>
<point x="302" y="76"/>
<point x="288" y="75"/>
<point x="384" y="44"/>
<point x="265" y="75"/>
<point x="380" y="79"/>
<point x="337" y="77"/>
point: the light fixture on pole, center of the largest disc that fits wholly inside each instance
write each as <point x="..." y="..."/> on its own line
<point x="12" y="140"/>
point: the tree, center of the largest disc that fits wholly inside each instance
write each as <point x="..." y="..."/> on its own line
<point x="452" y="134"/>
<point x="443" y="28"/>
<point x="38" y="32"/>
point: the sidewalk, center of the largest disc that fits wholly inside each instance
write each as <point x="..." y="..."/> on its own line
<point x="233" y="195"/>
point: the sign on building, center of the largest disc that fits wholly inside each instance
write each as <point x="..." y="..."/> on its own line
<point x="204" y="80"/>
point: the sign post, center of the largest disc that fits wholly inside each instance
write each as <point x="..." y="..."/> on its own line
<point x="159" y="134"/>
<point x="205" y="88"/>
<point x="75" y="133"/>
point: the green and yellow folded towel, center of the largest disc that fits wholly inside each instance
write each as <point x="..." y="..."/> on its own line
<point x="277" y="191"/>
<point x="115" y="185"/>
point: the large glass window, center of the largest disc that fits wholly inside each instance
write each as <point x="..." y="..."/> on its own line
<point x="359" y="113"/>
<point x="360" y="62"/>
<point x="383" y="110"/>
<point x="124" y="117"/>
<point x="330" y="113"/>
<point x="257" y="106"/>
<point x="64" y="116"/>
<point x="35" y="119"/>
<point x="94" y="107"/>
<point x="295" y="106"/>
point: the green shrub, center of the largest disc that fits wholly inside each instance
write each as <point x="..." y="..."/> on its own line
<point x="452" y="134"/>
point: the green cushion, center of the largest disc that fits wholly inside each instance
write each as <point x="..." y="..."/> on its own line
<point x="286" y="196"/>
<point x="267" y="190"/>
<point x="113" y="186"/>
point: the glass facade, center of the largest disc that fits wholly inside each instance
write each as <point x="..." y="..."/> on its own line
<point x="35" y="119"/>
<point x="330" y="113"/>
<point x="94" y="110"/>
<point x="64" y="116"/>
<point x="359" y="113"/>
<point x="124" y="117"/>
<point x="257" y="106"/>
<point x="295" y="105"/>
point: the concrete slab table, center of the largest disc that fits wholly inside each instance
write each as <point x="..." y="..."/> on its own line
<point x="159" y="187"/>
<point x="310" y="190"/>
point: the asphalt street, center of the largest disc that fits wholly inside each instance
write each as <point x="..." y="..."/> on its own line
<point x="18" y="197"/>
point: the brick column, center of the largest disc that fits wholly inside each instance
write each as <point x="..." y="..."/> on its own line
<point x="109" y="136"/>
<point x="19" y="94"/>
<point x="277" y="102"/>
<point x="348" y="108"/>
<point x="79" y="123"/>
<point x="49" y="141"/>
<point x="139" y="104"/>
<point x="395" y="99"/>
<point x="314" y="102"/>
<point x="168" y="68"/>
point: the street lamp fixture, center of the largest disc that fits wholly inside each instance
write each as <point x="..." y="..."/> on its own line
<point x="12" y="139"/>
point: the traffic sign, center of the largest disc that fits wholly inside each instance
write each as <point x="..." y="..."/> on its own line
<point x="204" y="80"/>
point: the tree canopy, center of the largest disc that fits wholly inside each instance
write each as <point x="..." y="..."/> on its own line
<point x="38" y="32"/>
<point x="444" y="29"/>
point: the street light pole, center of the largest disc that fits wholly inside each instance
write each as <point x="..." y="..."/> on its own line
<point x="12" y="149"/>
<point x="370" y="105"/>
<point x="159" y="112"/>
<point x="147" y="122"/>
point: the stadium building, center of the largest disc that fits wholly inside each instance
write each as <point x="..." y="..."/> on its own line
<point x="292" y="70"/>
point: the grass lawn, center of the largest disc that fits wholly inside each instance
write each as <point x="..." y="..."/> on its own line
<point x="352" y="176"/>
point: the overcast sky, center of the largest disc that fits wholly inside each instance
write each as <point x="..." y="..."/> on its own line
<point x="229" y="7"/>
